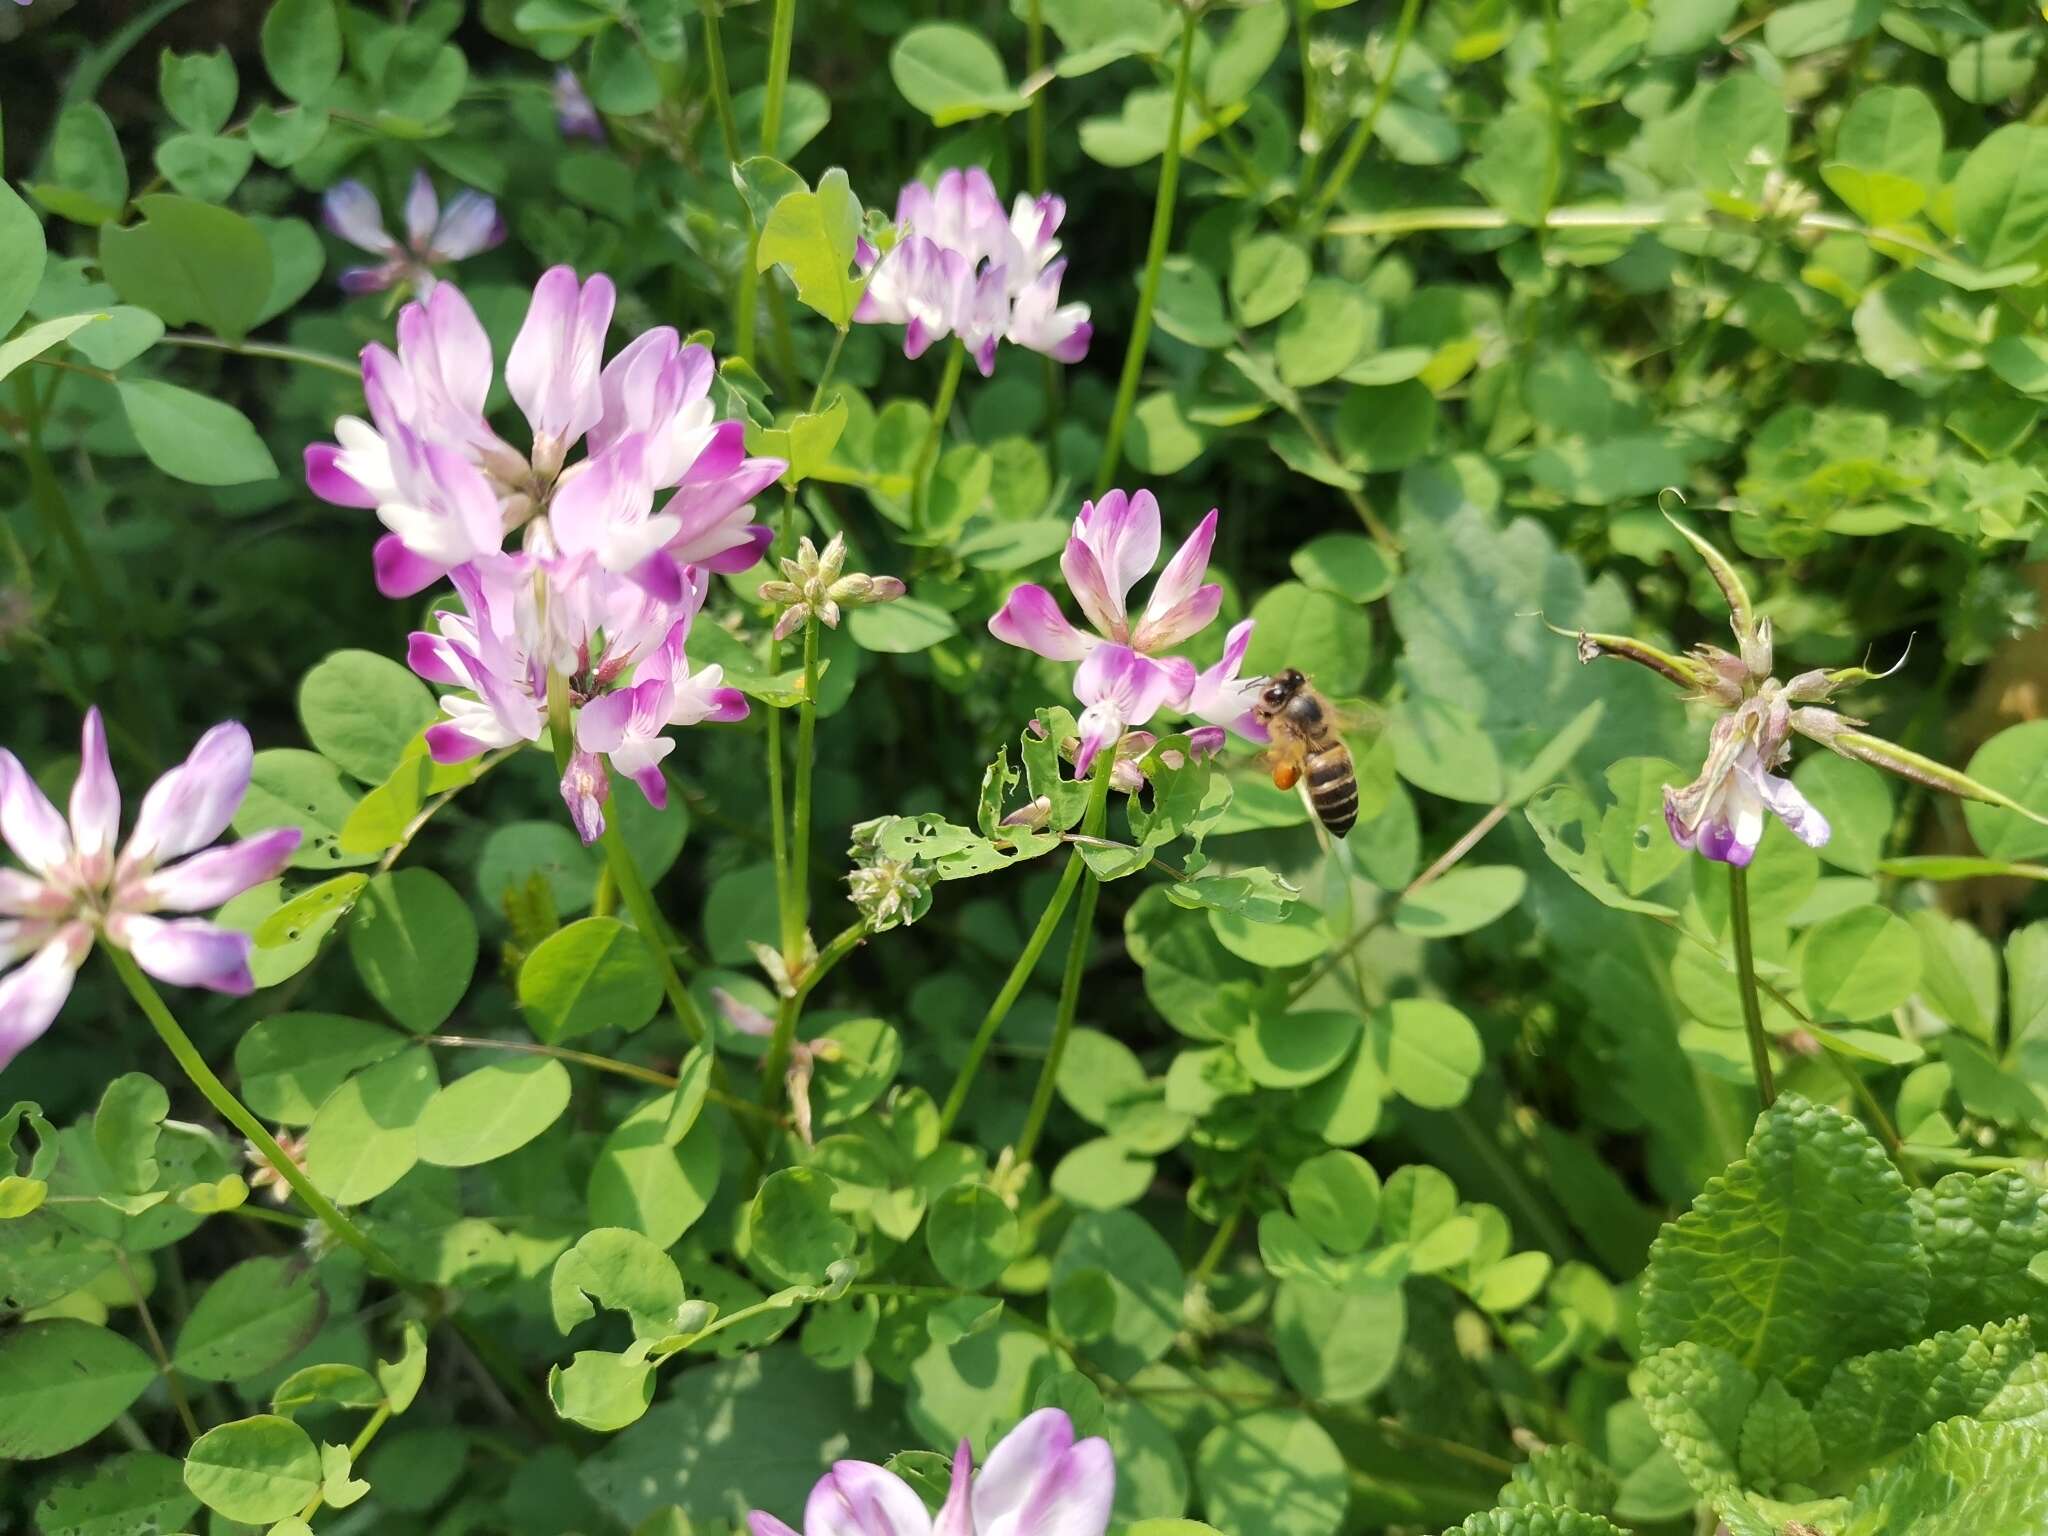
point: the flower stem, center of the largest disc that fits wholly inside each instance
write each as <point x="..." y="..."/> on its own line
<point x="1077" y="960"/>
<point x="1745" y="967"/>
<point x="1013" y="987"/>
<point x="303" y="356"/>
<point x="1155" y="257"/>
<point x="800" y="841"/>
<point x="780" y="38"/>
<point x="153" y="1007"/>
<point x="778" y="829"/>
<point x="1361" y="134"/>
<point x="640" y="903"/>
<point x="928" y="454"/>
<point x="1034" y="114"/>
<point x="729" y="131"/>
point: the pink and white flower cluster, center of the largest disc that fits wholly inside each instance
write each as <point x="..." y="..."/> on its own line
<point x="962" y="267"/>
<point x="603" y="585"/>
<point x="468" y="226"/>
<point x="1038" y="1481"/>
<point x="1124" y="678"/>
<point x="76" y="886"/>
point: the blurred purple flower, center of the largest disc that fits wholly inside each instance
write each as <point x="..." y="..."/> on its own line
<point x="469" y="225"/>
<point x="76" y="888"/>
<point x="575" y="117"/>
<point x="1123" y="680"/>
<point x="961" y="267"/>
<point x="1038" y="1481"/>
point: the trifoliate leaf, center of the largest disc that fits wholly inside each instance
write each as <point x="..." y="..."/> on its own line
<point x="1799" y="1256"/>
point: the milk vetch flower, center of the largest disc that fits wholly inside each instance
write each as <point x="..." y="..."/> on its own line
<point x="76" y="887"/>
<point x="1038" y="1481"/>
<point x="1721" y="813"/>
<point x="433" y="236"/>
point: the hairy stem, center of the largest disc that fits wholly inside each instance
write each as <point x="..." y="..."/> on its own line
<point x="231" y="1109"/>
<point x="1077" y="961"/>
<point x="928" y="452"/>
<point x="1155" y="258"/>
<point x="1745" y="968"/>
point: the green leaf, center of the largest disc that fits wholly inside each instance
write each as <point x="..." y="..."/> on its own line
<point x="651" y="1176"/>
<point x="1190" y="305"/>
<point x="1778" y="1441"/>
<point x="361" y="711"/>
<point x="133" y="1492"/>
<point x="284" y="138"/>
<point x="1276" y="1472"/>
<point x="362" y="1140"/>
<point x="1326" y="636"/>
<point x="1876" y="1403"/>
<point x="1336" y="1196"/>
<point x="812" y="236"/>
<point x="1518" y="167"/>
<point x="1427" y="1051"/>
<point x="1146" y="1280"/>
<point x="22" y="257"/>
<point x="346" y="1386"/>
<point x="1535" y="1520"/>
<point x="1389" y="426"/>
<point x="902" y="627"/>
<point x="594" y="974"/>
<point x="290" y="788"/>
<point x="414" y="945"/>
<point x="2014" y="762"/>
<point x="125" y="1130"/>
<point x="1268" y="277"/>
<point x="600" y="1390"/>
<point x="193" y="438"/>
<point x="198" y="89"/>
<point x="91" y="185"/>
<point x="1337" y="1346"/>
<point x="1808" y="26"/>
<point x="1463" y="900"/>
<point x="255" y="1470"/>
<point x="1093" y="33"/>
<point x="1860" y="964"/>
<point x="1800" y="1255"/>
<point x="972" y="1235"/>
<point x="1563" y="1476"/>
<point x="121" y="335"/>
<point x="951" y="74"/>
<point x="1322" y="334"/>
<point x="1857" y="801"/>
<point x="2001" y="195"/>
<point x="791" y="1227"/>
<point x="1103" y="1174"/>
<point x="1966" y="1478"/>
<point x="63" y="1381"/>
<point x="622" y="1271"/>
<point x="1292" y="1050"/>
<point x="1979" y="1233"/>
<point x="401" y="1378"/>
<point x="1347" y="564"/>
<point x="492" y="1112"/>
<point x="257" y="1315"/>
<point x="289" y="1064"/>
<point x="38" y="339"/>
<point x="1698" y="1397"/>
<point x="190" y="262"/>
<point x="302" y="47"/>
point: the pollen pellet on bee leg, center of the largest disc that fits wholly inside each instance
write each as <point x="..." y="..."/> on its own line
<point x="1286" y="775"/>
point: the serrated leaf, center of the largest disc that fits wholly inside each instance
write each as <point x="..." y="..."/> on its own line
<point x="1698" y="1398"/>
<point x="1800" y="1255"/>
<point x="1878" y="1402"/>
<point x="1980" y="1232"/>
<point x="1966" y="1478"/>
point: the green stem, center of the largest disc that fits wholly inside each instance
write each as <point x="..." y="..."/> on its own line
<point x="1155" y="258"/>
<point x="1013" y="987"/>
<point x="779" y="41"/>
<point x="640" y="903"/>
<point x="831" y="363"/>
<point x="1034" y="114"/>
<point x="806" y="734"/>
<point x="151" y="1002"/>
<point x="729" y="130"/>
<point x="1745" y="967"/>
<point x="1361" y="134"/>
<point x="168" y="1371"/>
<point x="1077" y="960"/>
<point x="54" y="511"/>
<point x="778" y="828"/>
<point x="928" y="453"/>
<point x="301" y="355"/>
<point x="782" y="1043"/>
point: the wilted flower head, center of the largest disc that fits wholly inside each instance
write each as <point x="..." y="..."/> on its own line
<point x="450" y="489"/>
<point x="888" y="892"/>
<point x="812" y="587"/>
<point x="575" y="116"/>
<point x="1038" y="1481"/>
<point x="433" y="236"/>
<point x="75" y="887"/>
<point x="962" y="267"/>
<point x="1721" y="813"/>
<point x="264" y="1174"/>
<point x="1123" y="681"/>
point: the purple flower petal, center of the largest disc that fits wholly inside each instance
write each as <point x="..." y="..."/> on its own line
<point x="585" y="788"/>
<point x="422" y="211"/>
<point x="1180" y="605"/>
<point x="1802" y="819"/>
<point x="326" y="478"/>
<point x="1031" y="620"/>
<point x="31" y="995"/>
<point x="469" y="227"/>
<point x="398" y="571"/>
<point x="858" y="1498"/>
<point x="760" y="1523"/>
<point x="362" y="280"/>
<point x="557" y="358"/>
<point x="192" y="804"/>
<point x="29" y="824"/>
<point x="186" y="952"/>
<point x="350" y="211"/>
<point x="1018" y="1463"/>
<point x="95" y="802"/>
<point x="206" y="879"/>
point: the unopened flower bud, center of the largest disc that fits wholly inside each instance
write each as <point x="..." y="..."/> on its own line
<point x="1035" y="814"/>
<point x="813" y="588"/>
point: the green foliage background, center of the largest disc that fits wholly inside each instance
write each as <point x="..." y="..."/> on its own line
<point x="1348" y="1217"/>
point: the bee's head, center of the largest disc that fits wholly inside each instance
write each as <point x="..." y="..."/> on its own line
<point x="1280" y="688"/>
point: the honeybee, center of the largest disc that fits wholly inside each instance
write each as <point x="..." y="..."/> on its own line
<point x="1306" y="743"/>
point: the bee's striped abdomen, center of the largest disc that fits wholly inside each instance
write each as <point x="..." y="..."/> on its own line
<point x="1333" y="787"/>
